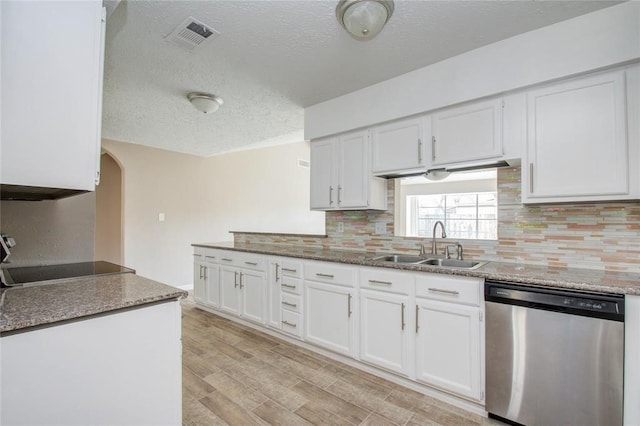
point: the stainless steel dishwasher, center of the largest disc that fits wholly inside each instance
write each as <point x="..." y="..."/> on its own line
<point x="553" y="357"/>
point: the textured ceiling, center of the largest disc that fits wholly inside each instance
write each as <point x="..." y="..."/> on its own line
<point x="273" y="58"/>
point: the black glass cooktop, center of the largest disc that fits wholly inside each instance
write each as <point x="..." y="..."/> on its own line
<point x="31" y="274"/>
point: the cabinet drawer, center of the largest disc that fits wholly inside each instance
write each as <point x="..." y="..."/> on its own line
<point x="291" y="269"/>
<point x="290" y="285"/>
<point x="292" y="323"/>
<point x="385" y="280"/>
<point x="450" y="289"/>
<point x="291" y="302"/>
<point x="228" y="257"/>
<point x="211" y="256"/>
<point x="198" y="253"/>
<point x="329" y="273"/>
<point x="252" y="262"/>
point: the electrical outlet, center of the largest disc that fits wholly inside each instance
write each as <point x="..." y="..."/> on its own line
<point x="340" y="226"/>
<point x="381" y="228"/>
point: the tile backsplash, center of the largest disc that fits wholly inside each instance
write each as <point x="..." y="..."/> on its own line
<point x="603" y="236"/>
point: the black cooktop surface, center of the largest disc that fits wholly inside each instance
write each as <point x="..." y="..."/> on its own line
<point x="30" y="274"/>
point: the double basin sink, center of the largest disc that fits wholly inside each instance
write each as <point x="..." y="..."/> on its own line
<point x="408" y="259"/>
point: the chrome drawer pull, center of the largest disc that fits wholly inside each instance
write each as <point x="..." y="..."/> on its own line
<point x="324" y="275"/>
<point x="277" y="267"/>
<point x="380" y="282"/>
<point x="251" y="263"/>
<point x="439" y="290"/>
<point x="293" y="305"/>
<point x="349" y="306"/>
<point x="197" y="255"/>
<point x="417" y="323"/>
<point x="288" y="286"/>
<point x="289" y="270"/>
<point x="402" y="324"/>
<point x="226" y="259"/>
<point x="289" y="324"/>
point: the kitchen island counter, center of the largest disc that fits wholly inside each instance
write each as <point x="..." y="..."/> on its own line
<point x="567" y="278"/>
<point x="22" y="308"/>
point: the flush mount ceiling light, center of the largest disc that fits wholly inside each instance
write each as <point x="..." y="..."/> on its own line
<point x="205" y="102"/>
<point x="437" y="174"/>
<point x="364" y="19"/>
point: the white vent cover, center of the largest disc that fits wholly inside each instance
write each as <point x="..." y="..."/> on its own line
<point x="191" y="34"/>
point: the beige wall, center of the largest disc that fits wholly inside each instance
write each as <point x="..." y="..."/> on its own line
<point x="108" y="234"/>
<point x="205" y="198"/>
<point x="46" y="232"/>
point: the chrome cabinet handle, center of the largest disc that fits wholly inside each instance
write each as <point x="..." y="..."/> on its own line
<point x="349" y="306"/>
<point x="324" y="275"/>
<point x="277" y="277"/>
<point x="380" y="282"/>
<point x="210" y="257"/>
<point x="531" y="178"/>
<point x="251" y="263"/>
<point x="200" y="271"/>
<point x="227" y="259"/>
<point x="205" y="272"/>
<point x="402" y="317"/>
<point x="289" y="324"/>
<point x="235" y="279"/>
<point x="293" y="305"/>
<point x="417" y="310"/>
<point x="419" y="151"/>
<point x="439" y="290"/>
<point x="241" y="285"/>
<point x="197" y="255"/>
<point x="330" y="195"/>
<point x="339" y="190"/>
<point x="290" y="270"/>
<point x="288" y="286"/>
<point x="433" y="148"/>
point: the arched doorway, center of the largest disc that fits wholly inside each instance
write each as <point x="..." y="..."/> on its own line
<point x="109" y="209"/>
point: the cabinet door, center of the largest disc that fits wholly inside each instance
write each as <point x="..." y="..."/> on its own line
<point x="253" y="288"/>
<point x="329" y="321"/>
<point x="399" y="146"/>
<point x="52" y="52"/>
<point x="467" y="133"/>
<point x="577" y="145"/>
<point x="212" y="283"/>
<point x="353" y="170"/>
<point x="199" y="286"/>
<point x="384" y="330"/>
<point x="229" y="291"/>
<point x="323" y="172"/>
<point x="448" y="351"/>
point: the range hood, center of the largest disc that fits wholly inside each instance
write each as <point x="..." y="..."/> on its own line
<point x="35" y="193"/>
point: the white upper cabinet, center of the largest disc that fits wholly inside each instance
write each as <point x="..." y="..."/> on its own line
<point x="577" y="146"/>
<point x="467" y="133"/>
<point x="399" y="147"/>
<point x="341" y="175"/>
<point x="52" y="59"/>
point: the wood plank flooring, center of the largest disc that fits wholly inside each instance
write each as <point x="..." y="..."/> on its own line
<point x="238" y="376"/>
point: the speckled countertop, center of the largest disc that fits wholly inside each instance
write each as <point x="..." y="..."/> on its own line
<point x="568" y="278"/>
<point x="24" y="307"/>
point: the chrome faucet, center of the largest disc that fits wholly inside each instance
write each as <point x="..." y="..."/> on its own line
<point x="434" y="248"/>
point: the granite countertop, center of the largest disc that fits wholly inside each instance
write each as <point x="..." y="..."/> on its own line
<point x="567" y="278"/>
<point x="24" y="307"/>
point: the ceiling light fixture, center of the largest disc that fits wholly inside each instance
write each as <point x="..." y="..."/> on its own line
<point x="364" y="19"/>
<point x="437" y="174"/>
<point x="205" y="102"/>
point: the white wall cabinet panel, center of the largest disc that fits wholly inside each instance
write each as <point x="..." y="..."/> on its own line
<point x="52" y="55"/>
<point x="577" y="146"/>
<point x="467" y="133"/>
<point x="448" y="350"/>
<point x="399" y="147"/>
<point x="341" y="175"/>
<point x="385" y="330"/>
<point x="330" y="313"/>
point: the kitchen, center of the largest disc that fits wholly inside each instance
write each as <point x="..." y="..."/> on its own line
<point x="191" y="203"/>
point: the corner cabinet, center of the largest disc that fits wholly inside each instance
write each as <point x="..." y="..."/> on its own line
<point x="399" y="147"/>
<point x="52" y="58"/>
<point x="341" y="175"/>
<point x="578" y="144"/>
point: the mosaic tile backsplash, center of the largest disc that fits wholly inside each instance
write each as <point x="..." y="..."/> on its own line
<point x="603" y="236"/>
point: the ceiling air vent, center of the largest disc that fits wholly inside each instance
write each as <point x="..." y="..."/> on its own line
<point x="191" y="34"/>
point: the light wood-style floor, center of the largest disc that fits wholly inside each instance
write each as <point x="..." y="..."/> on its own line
<point x="235" y="375"/>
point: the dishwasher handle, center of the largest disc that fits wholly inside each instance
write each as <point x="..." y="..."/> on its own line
<point x="605" y="306"/>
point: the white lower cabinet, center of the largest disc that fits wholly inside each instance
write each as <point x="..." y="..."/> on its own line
<point x="206" y="281"/>
<point x="229" y="292"/>
<point x="330" y="317"/>
<point x="243" y="291"/>
<point x="448" y="347"/>
<point x="199" y="286"/>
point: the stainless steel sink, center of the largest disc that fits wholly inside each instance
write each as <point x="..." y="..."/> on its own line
<point x="419" y="260"/>
<point x="453" y="263"/>
<point x="399" y="258"/>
